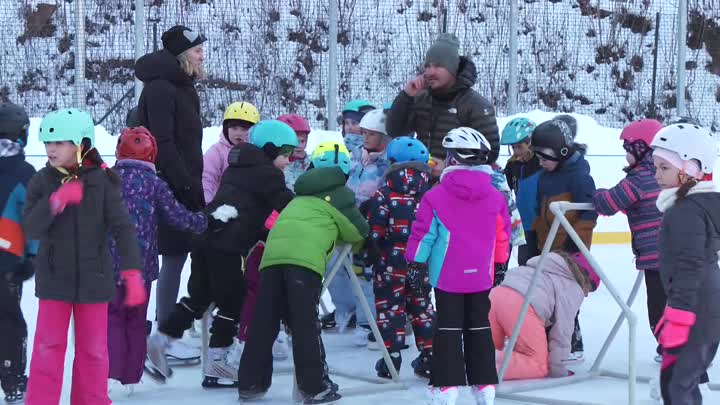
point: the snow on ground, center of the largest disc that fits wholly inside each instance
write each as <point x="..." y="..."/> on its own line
<point x="598" y="313"/>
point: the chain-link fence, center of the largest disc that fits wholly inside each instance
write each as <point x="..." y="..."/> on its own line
<point x="614" y="60"/>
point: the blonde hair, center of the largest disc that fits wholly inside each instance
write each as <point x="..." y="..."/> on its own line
<point x="580" y="274"/>
<point x="187" y="67"/>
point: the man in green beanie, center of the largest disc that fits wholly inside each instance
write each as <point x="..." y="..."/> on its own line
<point x="441" y="99"/>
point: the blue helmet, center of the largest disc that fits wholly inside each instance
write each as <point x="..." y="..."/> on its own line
<point x="407" y="149"/>
<point x="273" y="132"/>
<point x="331" y="154"/>
<point x="516" y="131"/>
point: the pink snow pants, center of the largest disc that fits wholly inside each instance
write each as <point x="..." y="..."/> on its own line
<point x="530" y="355"/>
<point x="252" y="283"/>
<point x="90" y="367"/>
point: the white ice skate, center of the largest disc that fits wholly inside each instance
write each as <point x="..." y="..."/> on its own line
<point x="281" y="347"/>
<point x="157" y="364"/>
<point x="181" y="354"/>
<point x="117" y="390"/>
<point x="221" y="370"/>
<point x="484" y="395"/>
<point x="360" y="336"/>
<point x="442" y="395"/>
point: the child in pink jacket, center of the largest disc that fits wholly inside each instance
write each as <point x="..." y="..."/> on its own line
<point x="566" y="280"/>
<point x="239" y="117"/>
<point x="461" y="229"/>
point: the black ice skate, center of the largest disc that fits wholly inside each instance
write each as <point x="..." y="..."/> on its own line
<point x="16" y="395"/>
<point x="421" y="365"/>
<point x="381" y="367"/>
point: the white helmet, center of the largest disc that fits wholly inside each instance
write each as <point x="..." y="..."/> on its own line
<point x="467" y="146"/>
<point x="690" y="142"/>
<point x="374" y="120"/>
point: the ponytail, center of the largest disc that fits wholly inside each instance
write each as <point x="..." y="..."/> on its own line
<point x="684" y="189"/>
<point x="92" y="155"/>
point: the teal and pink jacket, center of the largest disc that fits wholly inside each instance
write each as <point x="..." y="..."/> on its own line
<point x="461" y="229"/>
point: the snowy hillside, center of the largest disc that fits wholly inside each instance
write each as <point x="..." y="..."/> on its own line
<point x="588" y="56"/>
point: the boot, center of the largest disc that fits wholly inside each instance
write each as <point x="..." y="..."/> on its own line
<point x="483" y="394"/>
<point x="421" y="365"/>
<point x="157" y="346"/>
<point x="381" y="367"/>
<point x="443" y="395"/>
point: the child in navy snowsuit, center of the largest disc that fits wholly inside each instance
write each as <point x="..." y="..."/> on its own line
<point x="391" y="212"/>
<point x="16" y="252"/>
<point x="689" y="331"/>
<point x="636" y="196"/>
<point x="149" y="201"/>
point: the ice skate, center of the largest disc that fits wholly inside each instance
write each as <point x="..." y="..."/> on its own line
<point x="329" y="396"/>
<point x="421" y="365"/>
<point x="360" y="336"/>
<point x="328" y="320"/>
<point x="220" y="372"/>
<point x="252" y="394"/>
<point x="116" y="389"/>
<point x="655" y="392"/>
<point x="195" y="330"/>
<point x="281" y="347"/>
<point x="182" y="354"/>
<point x="16" y="395"/>
<point x="575" y="358"/>
<point x="483" y="394"/>
<point x="443" y="395"/>
<point x="382" y="369"/>
<point x="157" y="365"/>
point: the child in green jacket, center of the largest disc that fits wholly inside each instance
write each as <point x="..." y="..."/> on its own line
<point x="298" y="248"/>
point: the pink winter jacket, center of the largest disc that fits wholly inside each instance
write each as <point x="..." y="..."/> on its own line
<point x="215" y="162"/>
<point x="556" y="299"/>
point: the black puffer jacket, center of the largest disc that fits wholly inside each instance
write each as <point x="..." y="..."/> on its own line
<point x="689" y="245"/>
<point x="254" y="187"/>
<point x="73" y="263"/>
<point x="432" y="115"/>
<point x="170" y="108"/>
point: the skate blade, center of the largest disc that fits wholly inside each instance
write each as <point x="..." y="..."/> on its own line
<point x="178" y="362"/>
<point x="214" y="382"/>
<point x="155" y="374"/>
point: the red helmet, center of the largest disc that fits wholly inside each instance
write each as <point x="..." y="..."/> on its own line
<point x="136" y="143"/>
<point x="641" y="130"/>
<point x="296" y="122"/>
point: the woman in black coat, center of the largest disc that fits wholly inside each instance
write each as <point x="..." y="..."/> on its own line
<point x="170" y="108"/>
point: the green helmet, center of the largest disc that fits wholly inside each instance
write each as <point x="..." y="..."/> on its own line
<point x="361" y="106"/>
<point x="67" y="124"/>
<point x="516" y="131"/>
<point x="272" y="131"/>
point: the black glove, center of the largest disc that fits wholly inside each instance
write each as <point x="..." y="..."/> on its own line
<point x="500" y="270"/>
<point x="418" y="279"/>
<point x="24" y="271"/>
<point x="192" y="196"/>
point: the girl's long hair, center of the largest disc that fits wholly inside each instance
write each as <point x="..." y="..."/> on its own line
<point x="580" y="275"/>
<point x="90" y="154"/>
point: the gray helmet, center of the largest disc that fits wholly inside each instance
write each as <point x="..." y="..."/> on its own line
<point x="14" y="123"/>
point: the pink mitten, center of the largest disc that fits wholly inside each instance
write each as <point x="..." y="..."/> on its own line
<point x="270" y="221"/>
<point x="135" y="293"/>
<point x="675" y="327"/>
<point x="70" y="193"/>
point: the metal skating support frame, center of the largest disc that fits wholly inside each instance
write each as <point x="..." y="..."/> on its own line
<point x="510" y="392"/>
<point x="375" y="384"/>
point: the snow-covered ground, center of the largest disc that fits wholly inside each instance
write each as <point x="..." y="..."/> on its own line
<point x="597" y="316"/>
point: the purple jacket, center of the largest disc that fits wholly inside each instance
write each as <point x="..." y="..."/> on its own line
<point x="150" y="201"/>
<point x="636" y="195"/>
<point x="215" y="162"/>
<point x="461" y="230"/>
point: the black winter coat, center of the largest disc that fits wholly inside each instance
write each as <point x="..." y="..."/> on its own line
<point x="73" y="262"/>
<point x="170" y="108"/>
<point x="689" y="245"/>
<point x="254" y="187"/>
<point x="432" y="115"/>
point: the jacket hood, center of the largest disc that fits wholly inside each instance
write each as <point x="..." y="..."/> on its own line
<point x="575" y="164"/>
<point x="10" y="163"/>
<point x="408" y="177"/>
<point x="224" y="141"/>
<point x="554" y="265"/>
<point x="320" y="180"/>
<point x="247" y="155"/>
<point x="161" y="65"/>
<point x="668" y="198"/>
<point x="135" y="164"/>
<point x="466" y="182"/>
<point x="646" y="163"/>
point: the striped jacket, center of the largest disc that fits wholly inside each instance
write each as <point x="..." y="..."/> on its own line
<point x="635" y="195"/>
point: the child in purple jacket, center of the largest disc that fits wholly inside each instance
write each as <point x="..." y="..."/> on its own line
<point x="149" y="201"/>
<point x="636" y="196"/>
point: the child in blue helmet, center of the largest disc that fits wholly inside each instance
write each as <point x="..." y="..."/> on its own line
<point x="352" y="114"/>
<point x="391" y="212"/>
<point x="252" y="189"/>
<point x="522" y="172"/>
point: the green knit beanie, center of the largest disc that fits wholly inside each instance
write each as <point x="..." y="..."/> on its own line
<point x="445" y="52"/>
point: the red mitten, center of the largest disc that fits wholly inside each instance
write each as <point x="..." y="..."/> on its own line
<point x="270" y="221"/>
<point x="675" y="327"/>
<point x="135" y="293"/>
<point x="70" y="193"/>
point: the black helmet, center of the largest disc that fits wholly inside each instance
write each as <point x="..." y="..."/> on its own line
<point x="14" y="123"/>
<point x="553" y="140"/>
<point x="568" y="119"/>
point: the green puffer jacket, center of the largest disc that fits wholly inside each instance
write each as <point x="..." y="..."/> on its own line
<point x="322" y="214"/>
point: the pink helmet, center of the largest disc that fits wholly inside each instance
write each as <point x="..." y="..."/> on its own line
<point x="582" y="261"/>
<point x="641" y="130"/>
<point x="296" y="122"/>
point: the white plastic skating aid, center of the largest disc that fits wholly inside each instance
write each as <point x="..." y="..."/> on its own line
<point x="281" y="347"/>
<point x="442" y="395"/>
<point x="157" y="364"/>
<point x="483" y="394"/>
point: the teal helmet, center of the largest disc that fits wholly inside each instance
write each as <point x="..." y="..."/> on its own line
<point x="359" y="106"/>
<point x="516" y="131"/>
<point x="273" y="132"/>
<point x="67" y="124"/>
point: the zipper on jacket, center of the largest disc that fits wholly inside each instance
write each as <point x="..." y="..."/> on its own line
<point x="77" y="254"/>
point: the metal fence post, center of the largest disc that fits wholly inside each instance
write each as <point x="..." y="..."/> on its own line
<point x="332" y="90"/>
<point x="681" y="56"/>
<point x="512" y="92"/>
<point x="79" y="53"/>
<point x="139" y="41"/>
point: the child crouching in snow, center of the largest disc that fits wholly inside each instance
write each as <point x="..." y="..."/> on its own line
<point x="149" y="201"/>
<point x="565" y="282"/>
<point x="299" y="246"/>
<point x="462" y="229"/>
